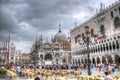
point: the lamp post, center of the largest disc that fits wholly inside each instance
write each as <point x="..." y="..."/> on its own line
<point x="87" y="42"/>
<point x="35" y="56"/>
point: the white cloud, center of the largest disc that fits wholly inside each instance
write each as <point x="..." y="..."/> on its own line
<point x="26" y="26"/>
<point x="81" y="15"/>
<point x="23" y="45"/>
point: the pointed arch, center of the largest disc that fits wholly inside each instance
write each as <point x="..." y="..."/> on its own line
<point x="113" y="44"/>
<point x="98" y="60"/>
<point x="104" y="60"/>
<point x="48" y="56"/>
<point x="110" y="60"/>
<point x="64" y="60"/>
<point x="93" y="60"/>
<point x="117" y="59"/>
<point x="117" y="44"/>
<point x="41" y="57"/>
<point x="85" y="60"/>
<point x="110" y="46"/>
<point x="102" y="30"/>
<point x="119" y="9"/>
<point x="117" y="22"/>
<point x="82" y="61"/>
<point x="79" y="61"/>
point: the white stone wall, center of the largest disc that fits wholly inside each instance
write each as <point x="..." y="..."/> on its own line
<point x="112" y="34"/>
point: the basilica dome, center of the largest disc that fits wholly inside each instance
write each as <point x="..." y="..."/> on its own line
<point x="60" y="35"/>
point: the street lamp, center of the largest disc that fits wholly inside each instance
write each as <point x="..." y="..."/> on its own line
<point x="87" y="41"/>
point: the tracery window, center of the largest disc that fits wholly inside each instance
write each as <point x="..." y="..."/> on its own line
<point x="107" y="46"/>
<point x="110" y="46"/>
<point x="117" y="22"/>
<point x="119" y="9"/>
<point x="113" y="45"/>
<point x="111" y="14"/>
<point x="102" y="30"/>
<point x="117" y="44"/>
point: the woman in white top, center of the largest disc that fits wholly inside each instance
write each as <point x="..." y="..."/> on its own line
<point x="108" y="75"/>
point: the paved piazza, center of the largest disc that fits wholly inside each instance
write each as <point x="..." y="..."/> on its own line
<point x="95" y="72"/>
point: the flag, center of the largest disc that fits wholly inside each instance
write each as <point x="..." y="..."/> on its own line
<point x="78" y="38"/>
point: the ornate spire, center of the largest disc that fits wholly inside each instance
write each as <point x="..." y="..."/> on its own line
<point x="75" y="24"/>
<point x="102" y="7"/>
<point x="60" y="28"/>
<point x="40" y="37"/>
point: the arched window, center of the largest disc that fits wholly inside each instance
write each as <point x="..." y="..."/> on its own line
<point x="92" y="32"/>
<point x="111" y="14"/>
<point x="117" y="44"/>
<point x="102" y="30"/>
<point x="48" y="56"/>
<point x="110" y="46"/>
<point x="117" y="22"/>
<point x="64" y="61"/>
<point x="101" y="47"/>
<point x="107" y="46"/>
<point x="119" y="9"/>
<point x="98" y="48"/>
<point x="113" y="45"/>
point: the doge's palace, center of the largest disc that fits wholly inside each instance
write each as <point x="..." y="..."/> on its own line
<point x="106" y="24"/>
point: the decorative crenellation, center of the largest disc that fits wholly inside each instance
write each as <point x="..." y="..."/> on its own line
<point x="105" y="9"/>
<point x="107" y="48"/>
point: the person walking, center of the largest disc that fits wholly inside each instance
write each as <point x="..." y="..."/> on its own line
<point x="37" y="77"/>
<point x="108" y="76"/>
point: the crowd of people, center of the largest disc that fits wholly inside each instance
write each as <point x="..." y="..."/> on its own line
<point x="107" y="68"/>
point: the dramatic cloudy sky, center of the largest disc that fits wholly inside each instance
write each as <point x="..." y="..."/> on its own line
<point x="26" y="19"/>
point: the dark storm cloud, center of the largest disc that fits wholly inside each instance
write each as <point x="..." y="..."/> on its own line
<point x="9" y="23"/>
<point x="24" y="19"/>
<point x="7" y="20"/>
<point x="44" y="14"/>
<point x="40" y="16"/>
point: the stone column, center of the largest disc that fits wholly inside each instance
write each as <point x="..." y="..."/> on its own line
<point x="115" y="46"/>
<point x="102" y="48"/>
<point x="106" y="60"/>
<point x="95" y="61"/>
<point x="113" y="58"/>
<point x="100" y="60"/>
<point x="43" y="62"/>
<point x="91" y="61"/>
<point x="112" y="46"/>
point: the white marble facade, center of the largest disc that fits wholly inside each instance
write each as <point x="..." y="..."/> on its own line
<point x="52" y="52"/>
<point x="106" y="24"/>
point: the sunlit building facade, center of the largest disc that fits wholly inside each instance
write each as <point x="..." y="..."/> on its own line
<point x="2" y="55"/>
<point x="106" y="24"/>
<point x="51" y="52"/>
